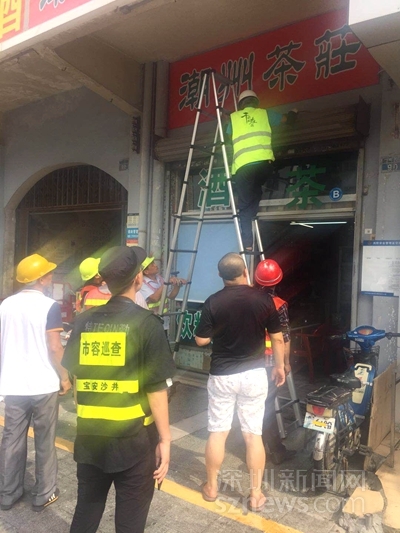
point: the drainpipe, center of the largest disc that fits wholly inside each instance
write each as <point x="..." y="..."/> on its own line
<point x="160" y="130"/>
<point x="145" y="154"/>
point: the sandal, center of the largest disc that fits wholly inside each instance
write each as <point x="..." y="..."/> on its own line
<point x="259" y="507"/>
<point x="206" y="497"/>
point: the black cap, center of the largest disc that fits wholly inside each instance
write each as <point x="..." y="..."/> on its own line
<point x="119" y="265"/>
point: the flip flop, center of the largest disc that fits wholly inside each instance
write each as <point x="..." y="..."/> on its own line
<point x="206" y="497"/>
<point x="259" y="507"/>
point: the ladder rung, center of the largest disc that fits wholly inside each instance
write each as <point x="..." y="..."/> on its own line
<point x="226" y="217"/>
<point x="170" y="283"/>
<point x="196" y="219"/>
<point x="173" y="313"/>
<point x="222" y="79"/>
<point x="208" y="216"/>
<point x="206" y="113"/>
<point x="188" y="217"/>
<point x="251" y="252"/>
<point x="202" y="149"/>
<point x="184" y="251"/>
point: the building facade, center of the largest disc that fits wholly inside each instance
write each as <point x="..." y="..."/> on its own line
<point x="98" y="103"/>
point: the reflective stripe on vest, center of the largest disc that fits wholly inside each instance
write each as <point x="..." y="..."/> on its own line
<point x="103" y="374"/>
<point x="110" y="413"/>
<point x="148" y="420"/>
<point x="94" y="302"/>
<point x="107" y="385"/>
<point x="251" y="137"/>
<point x="157" y="304"/>
<point x="96" y="297"/>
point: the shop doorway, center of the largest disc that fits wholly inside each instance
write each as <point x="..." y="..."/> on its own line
<point x="316" y="256"/>
<point x="71" y="214"/>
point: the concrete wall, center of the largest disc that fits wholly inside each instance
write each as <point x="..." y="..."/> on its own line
<point x="1" y="196"/>
<point x="362" y="10"/>
<point x="386" y="310"/>
<point x="72" y="127"/>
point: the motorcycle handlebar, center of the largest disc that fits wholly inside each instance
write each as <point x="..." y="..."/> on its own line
<point x="390" y="335"/>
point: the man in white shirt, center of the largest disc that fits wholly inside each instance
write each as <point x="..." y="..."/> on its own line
<point x="30" y="380"/>
<point x="152" y="288"/>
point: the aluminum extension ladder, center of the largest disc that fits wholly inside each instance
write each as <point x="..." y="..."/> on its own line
<point x="293" y="401"/>
<point x="209" y="80"/>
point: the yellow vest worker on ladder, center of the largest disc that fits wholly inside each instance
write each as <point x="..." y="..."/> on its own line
<point x="252" y="165"/>
<point x="123" y="367"/>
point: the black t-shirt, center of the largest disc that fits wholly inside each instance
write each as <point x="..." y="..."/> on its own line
<point x="146" y="334"/>
<point x="236" y="319"/>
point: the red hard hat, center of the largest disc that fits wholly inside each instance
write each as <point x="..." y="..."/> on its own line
<point x="268" y="273"/>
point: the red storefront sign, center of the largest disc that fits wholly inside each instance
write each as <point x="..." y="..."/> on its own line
<point x="12" y="14"/>
<point x="43" y="10"/>
<point x="316" y="57"/>
<point x="11" y="18"/>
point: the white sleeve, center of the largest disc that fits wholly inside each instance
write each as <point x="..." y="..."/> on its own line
<point x="140" y="300"/>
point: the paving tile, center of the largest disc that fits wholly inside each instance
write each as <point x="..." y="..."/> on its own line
<point x="306" y="523"/>
<point x="389" y="478"/>
<point x="364" y="501"/>
<point x="5" y="527"/>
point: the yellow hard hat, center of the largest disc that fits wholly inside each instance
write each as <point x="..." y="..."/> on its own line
<point x="33" y="267"/>
<point x="147" y="262"/>
<point x="89" y="268"/>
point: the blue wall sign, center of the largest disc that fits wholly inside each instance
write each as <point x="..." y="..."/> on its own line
<point x="336" y="194"/>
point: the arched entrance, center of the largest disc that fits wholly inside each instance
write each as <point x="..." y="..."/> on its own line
<point x="70" y="214"/>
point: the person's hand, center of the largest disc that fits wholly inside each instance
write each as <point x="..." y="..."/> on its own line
<point x="177" y="281"/>
<point x="287" y="368"/>
<point x="162" y="460"/>
<point x="65" y="386"/>
<point x="278" y="375"/>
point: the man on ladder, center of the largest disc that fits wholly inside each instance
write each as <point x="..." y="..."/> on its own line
<point x="252" y="164"/>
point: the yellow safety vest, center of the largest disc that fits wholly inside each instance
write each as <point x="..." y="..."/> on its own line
<point x="109" y="401"/>
<point x="251" y="137"/>
<point x="96" y="297"/>
<point x="157" y="304"/>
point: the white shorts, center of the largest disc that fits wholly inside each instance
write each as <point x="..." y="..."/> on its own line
<point x="248" y="390"/>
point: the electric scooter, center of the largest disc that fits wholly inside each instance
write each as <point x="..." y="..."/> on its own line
<point x="337" y="411"/>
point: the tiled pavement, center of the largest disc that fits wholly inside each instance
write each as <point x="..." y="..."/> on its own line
<point x="178" y="507"/>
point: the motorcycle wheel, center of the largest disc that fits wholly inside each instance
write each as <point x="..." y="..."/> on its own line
<point x="328" y="469"/>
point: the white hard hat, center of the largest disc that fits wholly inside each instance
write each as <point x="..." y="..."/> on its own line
<point x="247" y="94"/>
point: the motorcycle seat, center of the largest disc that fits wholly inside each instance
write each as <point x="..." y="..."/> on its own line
<point x="329" y="396"/>
<point x="349" y="381"/>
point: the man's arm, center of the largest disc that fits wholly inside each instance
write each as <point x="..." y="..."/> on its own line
<point x="204" y="330"/>
<point x="158" y="402"/>
<point x="290" y="117"/>
<point x="56" y="351"/>
<point x="176" y="285"/>
<point x="288" y="368"/>
<point x="202" y="341"/>
<point x="278" y="349"/>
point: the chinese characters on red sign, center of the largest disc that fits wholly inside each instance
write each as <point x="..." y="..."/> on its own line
<point x="13" y="21"/>
<point x="43" y="10"/>
<point x="312" y="58"/>
<point x="10" y="18"/>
